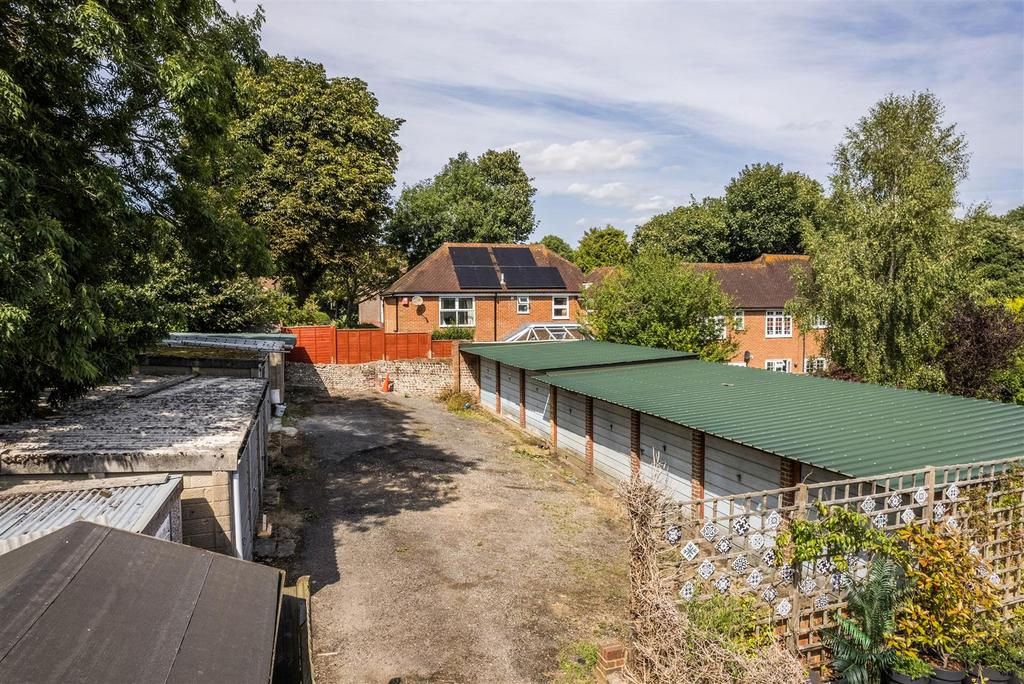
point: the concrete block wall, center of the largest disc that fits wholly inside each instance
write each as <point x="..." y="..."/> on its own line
<point x="420" y="377"/>
<point x="206" y="511"/>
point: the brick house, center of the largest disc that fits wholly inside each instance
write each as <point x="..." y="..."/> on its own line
<point x="504" y="292"/>
<point x="760" y="289"/>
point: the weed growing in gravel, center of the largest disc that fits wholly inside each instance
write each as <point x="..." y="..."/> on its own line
<point x="576" y="663"/>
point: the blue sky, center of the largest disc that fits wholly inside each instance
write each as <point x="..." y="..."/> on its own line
<point x="622" y="110"/>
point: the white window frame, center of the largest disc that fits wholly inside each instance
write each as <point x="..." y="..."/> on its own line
<point x="813" y="364"/>
<point x="818" y="322"/>
<point x="470" y="311"/>
<point x="555" y="307"/>
<point x="739" y="320"/>
<point x="719" y="323"/>
<point x="771" y="365"/>
<point x="777" y="324"/>
<point x="522" y="305"/>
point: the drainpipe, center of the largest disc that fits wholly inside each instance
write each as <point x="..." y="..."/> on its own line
<point x="236" y="510"/>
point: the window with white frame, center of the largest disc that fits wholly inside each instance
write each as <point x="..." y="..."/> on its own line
<point x="778" y="365"/>
<point x="818" y="321"/>
<point x="739" y="322"/>
<point x="719" y="323"/>
<point x="559" y="307"/>
<point x="522" y="305"/>
<point x="815" y="364"/>
<point x="457" y="312"/>
<point x="777" y="324"/>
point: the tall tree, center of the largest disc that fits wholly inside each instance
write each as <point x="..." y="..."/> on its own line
<point x="769" y="211"/>
<point x="658" y="301"/>
<point x="982" y="343"/>
<point x="487" y="199"/>
<point x="998" y="260"/>
<point x="606" y="246"/>
<point x="321" y="190"/>
<point x="113" y="122"/>
<point x="558" y="246"/>
<point x="889" y="258"/>
<point x="698" y="231"/>
<point x="356" y="278"/>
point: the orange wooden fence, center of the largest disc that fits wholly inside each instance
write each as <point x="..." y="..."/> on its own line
<point x="327" y="344"/>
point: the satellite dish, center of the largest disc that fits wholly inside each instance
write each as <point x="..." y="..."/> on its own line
<point x="417" y="300"/>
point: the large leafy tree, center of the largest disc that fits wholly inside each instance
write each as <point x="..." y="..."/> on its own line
<point x="658" y="301"/>
<point x="982" y="345"/>
<point x="606" y="246"/>
<point x="113" y="127"/>
<point x="769" y="210"/>
<point x="998" y="261"/>
<point x="889" y="259"/>
<point x="558" y="246"/>
<point x="358" y="277"/>
<point x="487" y="199"/>
<point x="698" y="231"/>
<point x="320" y="190"/>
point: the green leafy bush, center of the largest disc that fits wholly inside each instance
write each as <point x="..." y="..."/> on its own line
<point x="453" y="333"/>
<point x="307" y="314"/>
<point x="734" y="618"/>
<point x="458" y="401"/>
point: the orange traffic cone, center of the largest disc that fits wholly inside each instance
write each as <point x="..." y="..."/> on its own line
<point x="386" y="385"/>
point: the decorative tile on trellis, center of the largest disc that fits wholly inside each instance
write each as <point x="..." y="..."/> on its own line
<point x="808" y="586"/>
<point x="709" y="531"/>
<point x="895" y="501"/>
<point x="994" y="579"/>
<point x="879" y="520"/>
<point x="673" y="534"/>
<point x="688" y="590"/>
<point x="952" y="492"/>
<point x="836" y="580"/>
<point x="974" y="550"/>
<point x="824" y="565"/>
<point x="690" y="551"/>
<point x="769" y="594"/>
<point x="867" y="505"/>
<point x="783" y="608"/>
<point x="755" y="578"/>
<point x="786" y="573"/>
<point x="938" y="511"/>
<point x="952" y="523"/>
<point x="756" y="541"/>
<point x="773" y="520"/>
<point x="740" y="564"/>
<point x="769" y="557"/>
<point x="740" y="526"/>
<point x="722" y="584"/>
<point x="921" y="495"/>
<point x="907" y="516"/>
<point x="821" y="603"/>
<point x="706" y="569"/>
<point x="724" y="545"/>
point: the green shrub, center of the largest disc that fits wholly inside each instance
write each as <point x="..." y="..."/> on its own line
<point x="453" y="334"/>
<point x="308" y="314"/>
<point x="733" y="618"/>
<point x="458" y="401"/>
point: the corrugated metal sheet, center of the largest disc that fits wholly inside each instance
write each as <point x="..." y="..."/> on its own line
<point x="856" y="429"/>
<point x="29" y="512"/>
<point x="270" y="342"/>
<point x="537" y="356"/>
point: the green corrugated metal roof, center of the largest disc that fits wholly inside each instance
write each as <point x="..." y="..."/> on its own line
<point x="856" y="429"/>
<point x="538" y="356"/>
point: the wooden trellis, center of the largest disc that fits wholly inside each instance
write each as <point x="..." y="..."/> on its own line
<point x="728" y="545"/>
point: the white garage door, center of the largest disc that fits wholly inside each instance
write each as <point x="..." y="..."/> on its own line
<point x="670" y="444"/>
<point x="510" y="392"/>
<point x="487" y="384"/>
<point x="538" y="412"/>
<point x="611" y="440"/>
<point x="572" y="422"/>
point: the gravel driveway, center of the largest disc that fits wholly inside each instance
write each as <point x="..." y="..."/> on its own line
<point x="442" y="547"/>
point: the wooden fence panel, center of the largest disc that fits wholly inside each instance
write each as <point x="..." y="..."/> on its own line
<point x="399" y="346"/>
<point x="440" y="349"/>
<point x="313" y="344"/>
<point x="327" y="344"/>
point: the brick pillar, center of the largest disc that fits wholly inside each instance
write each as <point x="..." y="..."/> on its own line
<point x="589" y="429"/>
<point x="522" y="398"/>
<point x="611" y="660"/>
<point x="634" y="443"/>
<point x="789" y="476"/>
<point x="456" y="367"/>
<point x="475" y="365"/>
<point x="497" y="387"/>
<point x="697" y="469"/>
<point x="553" y="403"/>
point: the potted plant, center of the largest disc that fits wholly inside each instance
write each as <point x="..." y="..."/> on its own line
<point x="859" y="641"/>
<point x="909" y="669"/>
<point x="993" y="661"/>
<point x="948" y="604"/>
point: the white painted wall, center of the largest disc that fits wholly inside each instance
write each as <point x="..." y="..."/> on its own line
<point x="572" y="422"/>
<point x="671" y="444"/>
<point x="538" y="411"/>
<point x="510" y="392"/>
<point x="611" y="440"/>
<point x="487" y="384"/>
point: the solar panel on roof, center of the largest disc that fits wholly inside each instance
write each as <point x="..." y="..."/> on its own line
<point x="469" y="256"/>
<point x="477" y="276"/>
<point x="533" y="277"/>
<point x="514" y="256"/>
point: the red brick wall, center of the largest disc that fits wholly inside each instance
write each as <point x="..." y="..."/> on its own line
<point x="424" y="318"/>
<point x="795" y="348"/>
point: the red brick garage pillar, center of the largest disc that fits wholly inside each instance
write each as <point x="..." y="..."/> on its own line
<point x="697" y="469"/>
<point x="634" y="443"/>
<point x="456" y="368"/>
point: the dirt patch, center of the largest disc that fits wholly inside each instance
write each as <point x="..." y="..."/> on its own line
<point x="444" y="548"/>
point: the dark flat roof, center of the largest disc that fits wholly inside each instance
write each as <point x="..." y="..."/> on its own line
<point x="90" y="603"/>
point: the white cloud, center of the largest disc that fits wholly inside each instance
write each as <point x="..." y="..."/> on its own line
<point x="606" y="193"/>
<point x="604" y="154"/>
<point x="655" y="203"/>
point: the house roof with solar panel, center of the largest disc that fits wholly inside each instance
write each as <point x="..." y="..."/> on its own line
<point x="488" y="268"/>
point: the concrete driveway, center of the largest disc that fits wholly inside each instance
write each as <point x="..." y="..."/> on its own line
<point x="444" y="548"/>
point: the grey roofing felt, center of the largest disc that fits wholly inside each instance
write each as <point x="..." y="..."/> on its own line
<point x="94" y="604"/>
<point x="267" y="342"/>
<point x="569" y="354"/>
<point x="146" y="424"/>
<point x="30" y="511"/>
<point x="856" y="429"/>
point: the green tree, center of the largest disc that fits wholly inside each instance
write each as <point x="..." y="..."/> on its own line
<point x="769" y="211"/>
<point x="606" y="246"/>
<point x="888" y="260"/>
<point x="353" y="279"/>
<point x="487" y="199"/>
<point x="113" y="130"/>
<point x="697" y="232"/>
<point x="658" y="301"/>
<point x="321" y="189"/>
<point x="558" y="246"/>
<point x="998" y="261"/>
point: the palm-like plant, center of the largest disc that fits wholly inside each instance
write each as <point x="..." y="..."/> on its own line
<point x="859" y="640"/>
